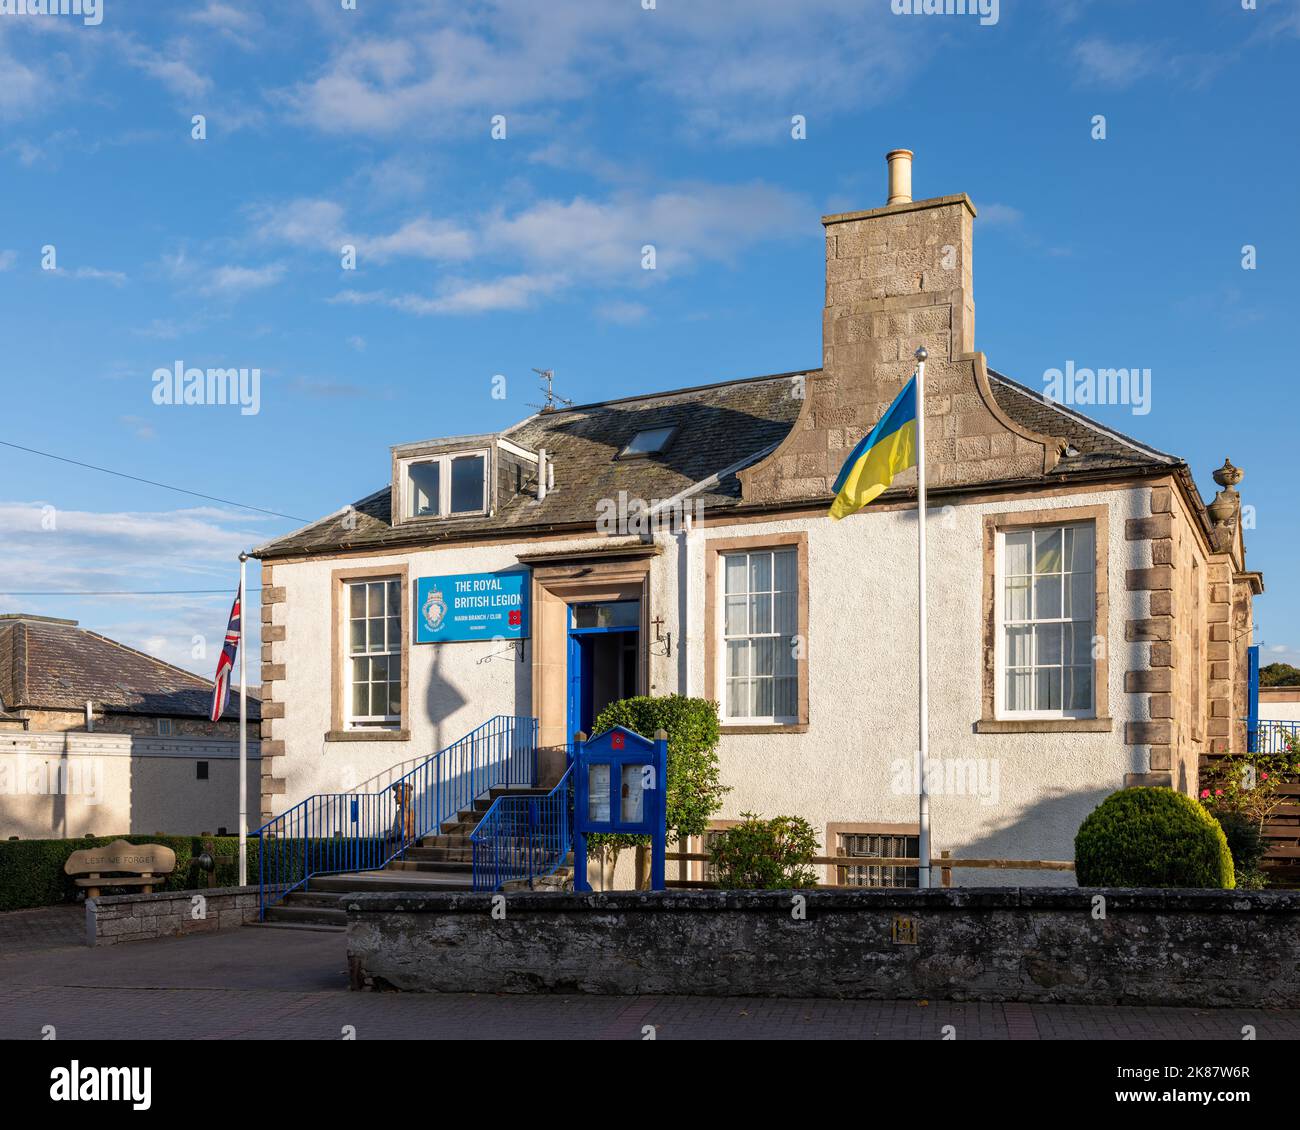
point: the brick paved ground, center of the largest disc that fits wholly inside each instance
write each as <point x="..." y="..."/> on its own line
<point x="22" y="931"/>
<point x="292" y="985"/>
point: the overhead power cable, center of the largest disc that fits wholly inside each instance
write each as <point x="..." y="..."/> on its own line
<point x="152" y="482"/>
<point x="126" y="592"/>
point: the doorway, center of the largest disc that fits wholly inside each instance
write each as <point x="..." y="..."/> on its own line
<point x="604" y="659"/>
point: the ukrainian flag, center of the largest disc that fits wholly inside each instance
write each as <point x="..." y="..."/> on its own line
<point x="872" y="465"/>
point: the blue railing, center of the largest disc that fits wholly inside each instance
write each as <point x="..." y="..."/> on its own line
<point x="335" y="832"/>
<point x="1269" y="736"/>
<point x="523" y="837"/>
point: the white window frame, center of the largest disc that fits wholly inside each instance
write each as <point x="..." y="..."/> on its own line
<point x="1000" y="627"/>
<point x="727" y="718"/>
<point x="444" y="460"/>
<point x="392" y="720"/>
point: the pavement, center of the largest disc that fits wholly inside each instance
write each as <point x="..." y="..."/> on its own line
<point x="263" y="983"/>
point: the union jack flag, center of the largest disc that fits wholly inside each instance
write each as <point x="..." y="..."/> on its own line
<point x="226" y="664"/>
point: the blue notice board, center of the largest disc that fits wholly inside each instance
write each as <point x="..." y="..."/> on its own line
<point x="471" y="606"/>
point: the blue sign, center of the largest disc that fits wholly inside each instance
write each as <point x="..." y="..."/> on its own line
<point x="471" y="606"/>
<point x="620" y="784"/>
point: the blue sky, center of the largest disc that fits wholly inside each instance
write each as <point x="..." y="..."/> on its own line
<point x="479" y="256"/>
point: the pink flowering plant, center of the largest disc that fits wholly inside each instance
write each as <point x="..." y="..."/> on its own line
<point x="1250" y="784"/>
<point x="1242" y="791"/>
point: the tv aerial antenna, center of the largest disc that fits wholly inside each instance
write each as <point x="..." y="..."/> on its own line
<point x="553" y="398"/>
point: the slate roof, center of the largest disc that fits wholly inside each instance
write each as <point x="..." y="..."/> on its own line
<point x="721" y="428"/>
<point x="1099" y="447"/>
<point x="55" y="665"/>
<point x="718" y="426"/>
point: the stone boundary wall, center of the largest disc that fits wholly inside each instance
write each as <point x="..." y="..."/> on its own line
<point x="1167" y="947"/>
<point x="132" y="918"/>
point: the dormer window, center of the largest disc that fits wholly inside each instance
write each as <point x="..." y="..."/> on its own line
<point x="651" y="441"/>
<point x="449" y="485"/>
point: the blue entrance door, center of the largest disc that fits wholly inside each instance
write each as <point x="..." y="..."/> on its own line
<point x="604" y="659"/>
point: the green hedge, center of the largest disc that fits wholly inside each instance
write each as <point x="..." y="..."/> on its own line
<point x="1152" y="837"/>
<point x="31" y="871"/>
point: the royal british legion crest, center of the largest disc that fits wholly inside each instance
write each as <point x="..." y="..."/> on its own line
<point x="435" y="610"/>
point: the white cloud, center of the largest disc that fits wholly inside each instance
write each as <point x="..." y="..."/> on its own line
<point x="171" y="66"/>
<point x="238" y="25"/>
<point x="999" y="215"/>
<point x="1111" y="64"/>
<point x="622" y="313"/>
<point x="684" y="225"/>
<point x="96" y="551"/>
<point x="92" y="550"/>
<point x="739" y="68"/>
<point x="422" y="239"/>
<point x="460" y="296"/>
<point x="319" y="224"/>
<point x="234" y="280"/>
<point x="94" y="274"/>
<point x="140" y="428"/>
<point x="553" y="245"/>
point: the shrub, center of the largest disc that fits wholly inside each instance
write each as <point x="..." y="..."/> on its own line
<point x="1250" y="784"/>
<point x="695" y="788"/>
<point x="765" y="855"/>
<point x="1247" y="844"/>
<point x="1151" y="837"/>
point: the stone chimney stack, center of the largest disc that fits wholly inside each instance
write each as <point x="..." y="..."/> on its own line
<point x="899" y="277"/>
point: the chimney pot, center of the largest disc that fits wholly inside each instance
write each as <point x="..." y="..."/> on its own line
<point x="900" y="176"/>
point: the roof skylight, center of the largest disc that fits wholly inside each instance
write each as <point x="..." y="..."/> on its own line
<point x="651" y="441"/>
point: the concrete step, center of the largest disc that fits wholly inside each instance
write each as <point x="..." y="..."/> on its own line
<point x="359" y="882"/>
<point x="427" y="867"/>
<point x="445" y="854"/>
<point x="272" y="924"/>
<point x="326" y="900"/>
<point x="444" y="841"/>
<point x="306" y="915"/>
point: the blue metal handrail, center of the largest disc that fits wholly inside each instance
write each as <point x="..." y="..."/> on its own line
<point x="523" y="837"/>
<point x="1269" y="735"/>
<point x="335" y="832"/>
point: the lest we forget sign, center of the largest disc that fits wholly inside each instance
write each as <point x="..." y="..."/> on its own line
<point x="471" y="606"/>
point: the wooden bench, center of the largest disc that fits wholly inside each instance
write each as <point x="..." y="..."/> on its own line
<point x="120" y="864"/>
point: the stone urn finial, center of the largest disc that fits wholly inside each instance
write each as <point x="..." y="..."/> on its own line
<point x="1224" y="509"/>
<point x="1228" y="476"/>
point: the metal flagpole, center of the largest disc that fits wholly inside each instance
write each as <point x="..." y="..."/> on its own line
<point x="923" y="840"/>
<point x="243" y="730"/>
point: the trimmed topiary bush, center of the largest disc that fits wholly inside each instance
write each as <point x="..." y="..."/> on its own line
<point x="1152" y="837"/>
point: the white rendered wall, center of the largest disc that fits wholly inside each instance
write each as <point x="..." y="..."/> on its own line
<point x="862" y="656"/>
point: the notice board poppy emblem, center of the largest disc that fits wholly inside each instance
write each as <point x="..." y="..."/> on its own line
<point x="435" y="610"/>
<point x="516" y="618"/>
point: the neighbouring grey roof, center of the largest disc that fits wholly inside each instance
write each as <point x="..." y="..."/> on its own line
<point x="50" y="664"/>
<point x="719" y="427"/>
